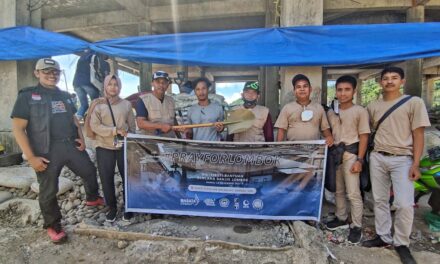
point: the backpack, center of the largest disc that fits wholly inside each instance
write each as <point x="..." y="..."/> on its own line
<point x="89" y="132"/>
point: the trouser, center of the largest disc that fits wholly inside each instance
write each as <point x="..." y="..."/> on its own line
<point x="64" y="153"/>
<point x="384" y="171"/>
<point x="434" y="201"/>
<point x="347" y="184"/>
<point x="82" y="91"/>
<point x="107" y="160"/>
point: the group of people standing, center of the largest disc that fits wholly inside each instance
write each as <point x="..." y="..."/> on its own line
<point x="394" y="159"/>
<point x="44" y="125"/>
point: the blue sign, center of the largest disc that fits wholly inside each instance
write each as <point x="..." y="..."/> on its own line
<point x="279" y="181"/>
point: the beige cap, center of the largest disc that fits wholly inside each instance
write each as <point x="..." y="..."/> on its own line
<point x="47" y="63"/>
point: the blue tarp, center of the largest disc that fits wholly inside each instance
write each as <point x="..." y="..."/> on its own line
<point x="303" y="45"/>
<point x="25" y="43"/>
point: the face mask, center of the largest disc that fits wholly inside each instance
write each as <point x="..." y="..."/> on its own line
<point x="306" y="115"/>
<point x="249" y="103"/>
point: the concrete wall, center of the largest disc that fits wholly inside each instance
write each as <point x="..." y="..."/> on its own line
<point x="313" y="73"/>
<point x="14" y="75"/>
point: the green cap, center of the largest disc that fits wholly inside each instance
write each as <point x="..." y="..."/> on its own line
<point x="252" y="85"/>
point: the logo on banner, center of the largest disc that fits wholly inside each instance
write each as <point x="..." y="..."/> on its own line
<point x="246" y="204"/>
<point x="236" y="203"/>
<point x="224" y="202"/>
<point x="257" y="204"/>
<point x="190" y="201"/>
<point x="209" y="202"/>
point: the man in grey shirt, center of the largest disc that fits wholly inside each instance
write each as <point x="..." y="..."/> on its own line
<point x="205" y="111"/>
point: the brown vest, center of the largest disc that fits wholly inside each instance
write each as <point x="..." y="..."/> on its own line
<point x="159" y="112"/>
<point x="254" y="133"/>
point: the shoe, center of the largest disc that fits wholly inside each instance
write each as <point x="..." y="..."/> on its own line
<point x="355" y="235"/>
<point x="405" y="255"/>
<point x="336" y="224"/>
<point x="111" y="215"/>
<point x="375" y="242"/>
<point x="99" y="201"/>
<point x="56" y="233"/>
<point x="127" y="216"/>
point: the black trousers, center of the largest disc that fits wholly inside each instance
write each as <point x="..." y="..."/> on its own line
<point x="64" y="153"/>
<point x="107" y="160"/>
<point x="434" y="201"/>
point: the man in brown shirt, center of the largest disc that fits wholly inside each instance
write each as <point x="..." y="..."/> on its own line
<point x="349" y="124"/>
<point x="303" y="119"/>
<point x="398" y="146"/>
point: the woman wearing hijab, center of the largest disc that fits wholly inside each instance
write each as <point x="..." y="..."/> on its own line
<point x="111" y="119"/>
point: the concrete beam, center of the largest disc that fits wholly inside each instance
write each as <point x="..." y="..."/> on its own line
<point x="431" y="62"/>
<point x="90" y="21"/>
<point x="374" y="5"/>
<point x="203" y="10"/>
<point x="431" y="71"/>
<point x="135" y="7"/>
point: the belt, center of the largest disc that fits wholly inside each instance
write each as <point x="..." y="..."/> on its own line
<point x="65" y="140"/>
<point x="391" y="154"/>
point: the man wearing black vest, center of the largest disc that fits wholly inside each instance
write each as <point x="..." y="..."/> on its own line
<point x="49" y="135"/>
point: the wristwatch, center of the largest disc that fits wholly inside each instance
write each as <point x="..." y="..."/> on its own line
<point x="361" y="160"/>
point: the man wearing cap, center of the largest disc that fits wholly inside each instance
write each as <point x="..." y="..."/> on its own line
<point x="155" y="111"/>
<point x="262" y="128"/>
<point x="47" y="131"/>
<point x="205" y="111"/>
<point x="302" y="119"/>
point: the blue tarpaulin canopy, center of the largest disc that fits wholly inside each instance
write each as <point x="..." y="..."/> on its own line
<point x="25" y="43"/>
<point x="303" y="45"/>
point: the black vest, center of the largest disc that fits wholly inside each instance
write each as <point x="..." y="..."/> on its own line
<point x="38" y="127"/>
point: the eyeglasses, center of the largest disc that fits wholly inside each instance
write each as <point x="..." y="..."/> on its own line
<point x="49" y="71"/>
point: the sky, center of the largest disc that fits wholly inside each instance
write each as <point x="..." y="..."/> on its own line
<point x="130" y="82"/>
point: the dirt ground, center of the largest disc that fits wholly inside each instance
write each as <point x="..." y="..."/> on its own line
<point x="182" y="239"/>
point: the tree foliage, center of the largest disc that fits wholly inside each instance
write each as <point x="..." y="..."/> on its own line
<point x="370" y="91"/>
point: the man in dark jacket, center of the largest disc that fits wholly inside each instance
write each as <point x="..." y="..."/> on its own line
<point x="47" y="131"/>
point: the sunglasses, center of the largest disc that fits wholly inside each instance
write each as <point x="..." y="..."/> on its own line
<point x="51" y="71"/>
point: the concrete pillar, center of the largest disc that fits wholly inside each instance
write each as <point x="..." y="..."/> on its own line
<point x="358" y="95"/>
<point x="184" y="69"/>
<point x="113" y="66"/>
<point x="145" y="69"/>
<point x="414" y="68"/>
<point x="270" y="94"/>
<point x="324" y="86"/>
<point x="14" y="75"/>
<point x="428" y="96"/>
<point x="262" y="82"/>
<point x="300" y="13"/>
